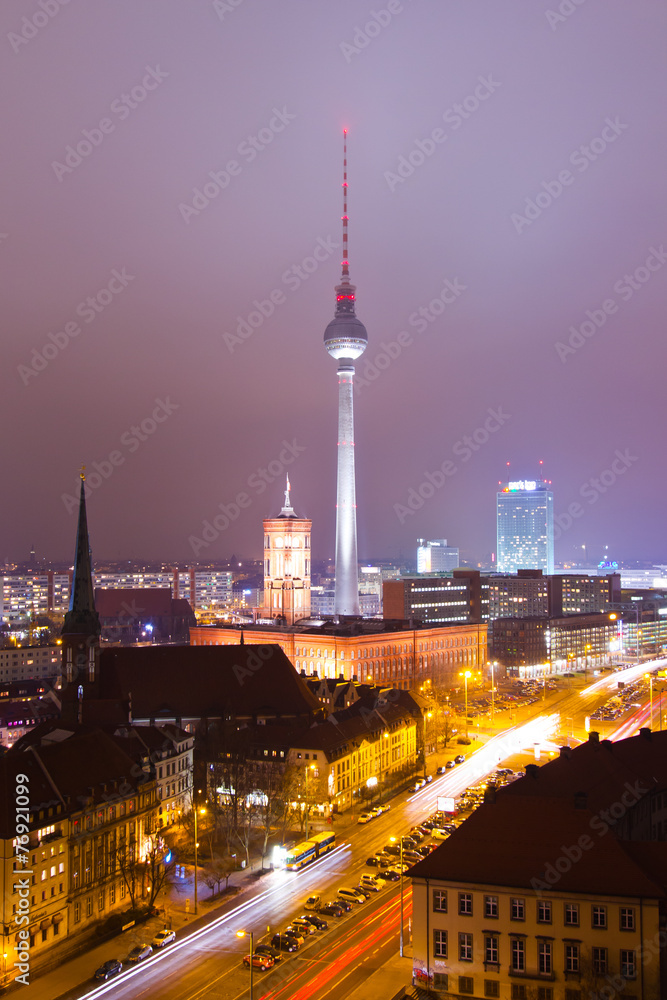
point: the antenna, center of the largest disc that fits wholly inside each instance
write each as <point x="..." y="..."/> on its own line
<point x="345" y="263"/>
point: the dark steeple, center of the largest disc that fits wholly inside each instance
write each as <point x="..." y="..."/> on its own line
<point x="81" y="628"/>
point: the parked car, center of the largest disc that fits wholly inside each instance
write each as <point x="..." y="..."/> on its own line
<point x="376" y="811"/>
<point x="372" y="882"/>
<point x="391" y="875"/>
<point x="345" y="903"/>
<point x="317" y="922"/>
<point x="259" y="961"/>
<point x="267" y="949"/>
<point x="409" y="843"/>
<point x="313" y="902"/>
<point x="365" y="818"/>
<point x="351" y="895"/>
<point x="333" y="909"/>
<point x="429" y="779"/>
<point x="284" y="942"/>
<point x="424" y="850"/>
<point x="411" y="857"/>
<point x="419" y="783"/>
<point x="439" y="834"/>
<point x="366" y="893"/>
<point x="296" y="933"/>
<point x="450" y="764"/>
<point x="304" y="926"/>
<point x="140" y="953"/>
<point x="163" y="938"/>
<point x="442" y="768"/>
<point x="108" y="969"/>
<point x="459" y="759"/>
<point x="417" y="834"/>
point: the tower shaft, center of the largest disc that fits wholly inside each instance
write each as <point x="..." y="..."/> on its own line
<point x="347" y="578"/>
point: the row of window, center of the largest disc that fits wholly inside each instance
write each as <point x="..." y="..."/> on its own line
<point x="544" y="910"/>
<point x="465" y="985"/>
<point x="545" y="954"/>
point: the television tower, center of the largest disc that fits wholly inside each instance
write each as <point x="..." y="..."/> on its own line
<point x="345" y="339"/>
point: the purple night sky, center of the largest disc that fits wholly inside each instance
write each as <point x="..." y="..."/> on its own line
<point x="532" y="150"/>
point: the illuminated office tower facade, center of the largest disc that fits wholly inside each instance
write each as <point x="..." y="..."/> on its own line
<point x="525" y="526"/>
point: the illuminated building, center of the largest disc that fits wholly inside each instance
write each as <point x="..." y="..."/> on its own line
<point x="525" y="526"/>
<point x="345" y="339"/>
<point x="529" y="647"/>
<point x="436" y="556"/>
<point x="430" y="599"/>
<point x="399" y="653"/>
<point x="537" y="896"/>
<point x="287" y="564"/>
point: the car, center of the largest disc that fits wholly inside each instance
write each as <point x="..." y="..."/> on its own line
<point x="331" y="909"/>
<point x="163" y="938"/>
<point x="365" y="818"/>
<point x="313" y="902"/>
<point x="397" y="867"/>
<point x="351" y="895"/>
<point x="345" y="903"/>
<point x="450" y="764"/>
<point x="391" y="875"/>
<point x="376" y="811"/>
<point x="260" y="961"/>
<point x="441" y="769"/>
<point x="411" y="857"/>
<point x="417" y="834"/>
<point x="372" y="882"/>
<point x="419" y="783"/>
<point x="317" y="922"/>
<point x="284" y="942"/>
<point x="108" y="969"/>
<point x="392" y="849"/>
<point x="429" y="779"/>
<point x="459" y="759"/>
<point x="408" y="843"/>
<point x="296" y="933"/>
<point x="424" y="850"/>
<point x="366" y="893"/>
<point x="267" y="949"/>
<point x="373" y="861"/>
<point x="303" y="926"/>
<point x="139" y="953"/>
<point x="439" y="834"/>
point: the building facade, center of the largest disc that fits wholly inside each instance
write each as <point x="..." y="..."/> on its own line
<point x="530" y="647"/>
<point x="436" y="556"/>
<point x="287" y="564"/>
<point x="525" y="526"/>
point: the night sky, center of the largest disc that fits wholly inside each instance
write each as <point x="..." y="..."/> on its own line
<point x="179" y="164"/>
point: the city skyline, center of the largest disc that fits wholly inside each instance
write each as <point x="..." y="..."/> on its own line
<point x="166" y="259"/>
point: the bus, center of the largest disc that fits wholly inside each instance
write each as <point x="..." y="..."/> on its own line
<point x="309" y="850"/>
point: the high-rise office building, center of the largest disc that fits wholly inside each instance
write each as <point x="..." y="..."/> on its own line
<point x="345" y="339"/>
<point x="525" y="526"/>
<point x="436" y="556"/>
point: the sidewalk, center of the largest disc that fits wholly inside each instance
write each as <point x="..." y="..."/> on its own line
<point x="386" y="981"/>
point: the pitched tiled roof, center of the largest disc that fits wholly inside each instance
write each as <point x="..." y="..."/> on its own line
<point x="205" y="681"/>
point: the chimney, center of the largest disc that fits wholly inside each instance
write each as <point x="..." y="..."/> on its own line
<point x="566" y="752"/>
<point x="645" y="732"/>
<point x="531" y="771"/>
<point x="580" y="800"/>
<point x="490" y="795"/>
<point x="593" y="737"/>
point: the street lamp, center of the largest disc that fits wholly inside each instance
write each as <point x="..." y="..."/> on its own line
<point x="588" y="653"/>
<point x="393" y="841"/>
<point x="466" y="675"/>
<point x="493" y="691"/>
<point x="242" y="934"/>
<point x="202" y="811"/>
<point x="425" y="716"/>
<point x="649" y="678"/>
<point x="311" y="767"/>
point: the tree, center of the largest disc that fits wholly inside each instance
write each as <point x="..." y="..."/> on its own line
<point x="220" y="870"/>
<point x="145" y="877"/>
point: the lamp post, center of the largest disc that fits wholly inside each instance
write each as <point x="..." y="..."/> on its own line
<point x="203" y="810"/>
<point x="649" y="678"/>
<point x="393" y="841"/>
<point x="466" y="675"/>
<point x="242" y="934"/>
<point x="493" y="691"/>
<point x="425" y="716"/>
<point x="588" y="653"/>
<point x="308" y="769"/>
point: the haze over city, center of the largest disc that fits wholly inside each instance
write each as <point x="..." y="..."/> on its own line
<point x="170" y="240"/>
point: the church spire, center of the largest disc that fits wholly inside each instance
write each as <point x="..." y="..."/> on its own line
<point x="82" y="616"/>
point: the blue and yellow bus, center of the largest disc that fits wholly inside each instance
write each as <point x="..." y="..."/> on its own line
<point x="309" y="850"/>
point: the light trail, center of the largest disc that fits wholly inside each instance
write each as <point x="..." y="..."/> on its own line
<point x="627" y="676"/>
